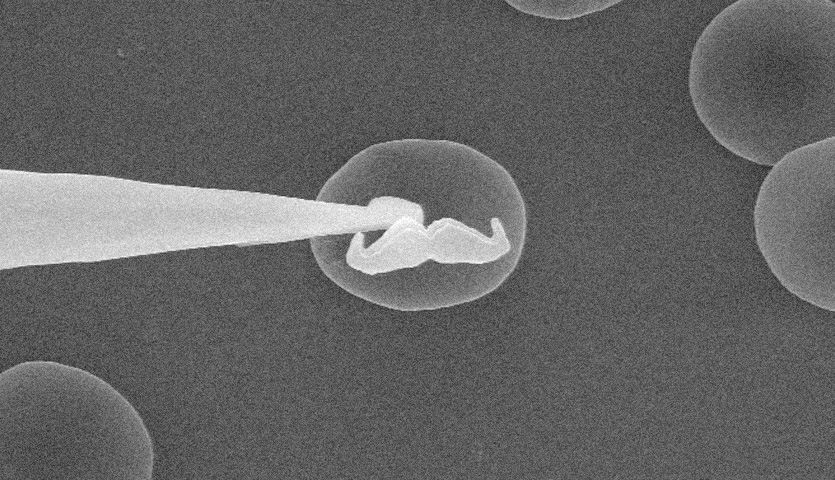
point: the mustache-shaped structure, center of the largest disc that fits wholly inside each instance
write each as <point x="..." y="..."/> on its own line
<point x="408" y="244"/>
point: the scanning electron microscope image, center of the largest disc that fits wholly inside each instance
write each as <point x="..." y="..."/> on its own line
<point x="417" y="239"/>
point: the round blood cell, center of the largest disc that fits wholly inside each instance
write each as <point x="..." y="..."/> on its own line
<point x="561" y="9"/>
<point x="450" y="181"/>
<point x="762" y="76"/>
<point x="794" y="224"/>
<point x="62" y="422"/>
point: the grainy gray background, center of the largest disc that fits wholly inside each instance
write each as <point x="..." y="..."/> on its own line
<point x="642" y="335"/>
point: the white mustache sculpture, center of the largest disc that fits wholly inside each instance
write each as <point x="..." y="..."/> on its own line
<point x="52" y="218"/>
<point x="407" y="244"/>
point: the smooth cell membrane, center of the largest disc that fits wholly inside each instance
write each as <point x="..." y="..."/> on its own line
<point x="466" y="196"/>
<point x="762" y="76"/>
<point x="58" y="421"/>
<point x="561" y="9"/>
<point x="794" y="224"/>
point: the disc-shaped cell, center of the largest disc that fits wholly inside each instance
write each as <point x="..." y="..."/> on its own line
<point x="795" y="225"/>
<point x="762" y="76"/>
<point x="474" y="242"/>
<point x="62" y="422"/>
<point x="561" y="9"/>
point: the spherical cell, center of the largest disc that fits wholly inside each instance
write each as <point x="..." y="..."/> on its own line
<point x="794" y="224"/>
<point x="762" y="76"/>
<point x="62" y="422"/>
<point x="561" y="9"/>
<point x="449" y="180"/>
